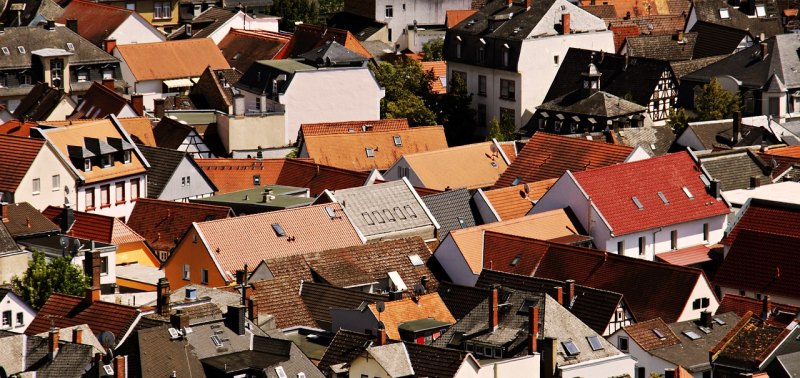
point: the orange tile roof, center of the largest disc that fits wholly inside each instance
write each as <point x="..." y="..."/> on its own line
<point x="509" y="202"/>
<point x="100" y="129"/>
<point x="408" y="309"/>
<point x="16" y="156"/>
<point x="544" y="226"/>
<point x="547" y="156"/>
<point x="326" y="128"/>
<point x="439" y="69"/>
<point x="454" y="17"/>
<point x="249" y="239"/>
<point x="138" y="127"/>
<point x="647" y="339"/>
<point x="62" y="310"/>
<point x="96" y="227"/>
<point x="17" y="128"/>
<point x="468" y="166"/>
<point x="622" y="32"/>
<point x="348" y="151"/>
<point x="172" y="59"/>
<point x="510" y="148"/>
<point x="789" y="151"/>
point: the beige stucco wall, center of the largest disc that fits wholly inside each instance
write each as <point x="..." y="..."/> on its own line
<point x="44" y="167"/>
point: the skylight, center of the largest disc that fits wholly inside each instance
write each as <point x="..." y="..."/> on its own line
<point x="5" y="50"/>
<point x="724" y="13"/>
<point x="516" y="259"/>
<point x="705" y="330"/>
<point x="594" y="342"/>
<point x="370" y="152"/>
<point x="70" y="46"/>
<point x="397" y="141"/>
<point x="691" y="334"/>
<point x="331" y="212"/>
<point x="571" y="348"/>
<point x="637" y="203"/>
<point x="278" y="229"/>
<point x="761" y="11"/>
<point x="415" y="260"/>
<point x="280" y="372"/>
<point x="516" y="181"/>
<point x="21" y="49"/>
<point x="663" y="198"/>
<point x="659" y="334"/>
<point x="217" y="342"/>
<point x="719" y="321"/>
<point x="687" y="192"/>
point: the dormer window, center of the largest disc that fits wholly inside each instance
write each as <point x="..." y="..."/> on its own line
<point x="87" y="165"/>
<point x="107" y="161"/>
<point x="370" y="152"/>
<point x="21" y="49"/>
<point x="724" y="13"/>
<point x="126" y="157"/>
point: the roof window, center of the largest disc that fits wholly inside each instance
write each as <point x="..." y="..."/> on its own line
<point x="637" y="203"/>
<point x="5" y="50"/>
<point x="368" y="219"/>
<point x="663" y="198"/>
<point x="216" y="340"/>
<point x="331" y="212"/>
<point x="399" y="213"/>
<point x="719" y="321"/>
<point x="21" y="49"/>
<point x="526" y="306"/>
<point x="705" y="330"/>
<point x="761" y="11"/>
<point x="70" y="46"/>
<point x="397" y="141"/>
<point x="571" y="348"/>
<point x="280" y="372"/>
<point x="691" y="334"/>
<point x="594" y="342"/>
<point x="278" y="230"/>
<point x="388" y="215"/>
<point x="370" y="152"/>
<point x="687" y="192"/>
<point x="256" y="180"/>
<point x="516" y="259"/>
<point x="415" y="260"/>
<point x="659" y="334"/>
<point x="410" y="211"/>
<point x="516" y="181"/>
<point x="724" y="13"/>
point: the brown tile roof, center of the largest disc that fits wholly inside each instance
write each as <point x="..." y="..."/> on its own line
<point x="308" y="37"/>
<point x="766" y="216"/>
<point x="96" y="227"/>
<point x="96" y="21"/>
<point x="408" y="309"/>
<point x="162" y="223"/>
<point x="788" y="151"/>
<point x="686" y="256"/>
<point x="16" y="156"/>
<point x="62" y="310"/>
<point x="454" y="17"/>
<point x="749" y="343"/>
<point x="61" y="138"/>
<point x="469" y="166"/>
<point x="172" y="59"/>
<point x="24" y="219"/>
<point x="140" y="128"/>
<point x="548" y="156"/>
<point x="307" y="229"/>
<point x="439" y="69"/>
<point x="780" y="314"/>
<point x="17" y="128"/>
<point x="510" y="202"/>
<point x="604" y="11"/>
<point x="98" y="102"/>
<point x="644" y="334"/>
<point x="280" y="297"/>
<point x="327" y="128"/>
<point x="321" y="298"/>
<point x="241" y="48"/>
<point x="348" y="151"/>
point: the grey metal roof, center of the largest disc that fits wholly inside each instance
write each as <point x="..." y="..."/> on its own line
<point x="790" y="363"/>
<point x="452" y="209"/>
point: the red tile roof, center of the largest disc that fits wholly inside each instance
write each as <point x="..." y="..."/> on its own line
<point x="766" y="216"/>
<point x="642" y="333"/>
<point x="98" y="102"/>
<point x="454" y="17"/>
<point x="172" y="59"/>
<point x="622" y="32"/>
<point x="161" y="223"/>
<point x="547" y="156"/>
<point x="439" y="69"/>
<point x="96" y="227"/>
<point x="17" y="128"/>
<point x="781" y="314"/>
<point x="644" y="179"/>
<point x="426" y="306"/>
<point x="96" y="21"/>
<point x="686" y="256"/>
<point x="64" y="310"/>
<point x="510" y="203"/>
<point x="243" y="47"/>
<point x="607" y="271"/>
<point x="16" y="156"/>
<point x="326" y="128"/>
<point x="762" y="262"/>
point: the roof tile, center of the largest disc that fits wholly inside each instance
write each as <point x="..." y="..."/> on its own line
<point x="62" y="310"/>
<point x="511" y="202"/>
<point x="172" y="59"/>
<point x="161" y="223"/>
<point x="644" y="334"/>
<point x="469" y="166"/>
<point x="408" y="309"/>
<point x="16" y="157"/>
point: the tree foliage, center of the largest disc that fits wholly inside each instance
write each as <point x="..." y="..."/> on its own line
<point x="330" y="7"/>
<point x="433" y="50"/>
<point x="456" y="114"/>
<point x="502" y="130"/>
<point x="293" y="11"/>
<point x="715" y="102"/>
<point x="45" y="278"/>
<point x="408" y="91"/>
<point x="412" y="108"/>
<point x="677" y="120"/>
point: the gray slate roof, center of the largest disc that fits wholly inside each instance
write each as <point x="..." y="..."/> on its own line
<point x="656" y="140"/>
<point x="693" y="354"/>
<point x="36" y="38"/>
<point x="163" y="163"/>
<point x="332" y="53"/>
<point x="600" y="104"/>
<point x="452" y="209"/>
<point x="734" y="168"/>
<point x="663" y="47"/>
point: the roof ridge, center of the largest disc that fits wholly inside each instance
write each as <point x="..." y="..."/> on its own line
<point x="182" y="204"/>
<point x="488" y="226"/>
<point x="583" y="141"/>
<point x="269" y="213"/>
<point x="378" y="133"/>
<point x="101" y="5"/>
<point x="100" y="302"/>
<point x="631" y="164"/>
<point x="577" y="285"/>
<point x="462" y="147"/>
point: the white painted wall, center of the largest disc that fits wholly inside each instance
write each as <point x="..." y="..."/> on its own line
<point x="526" y="366"/>
<point x="44" y="167"/>
<point x="121" y="210"/>
<point x="11" y="302"/>
<point x="108" y="278"/>
<point x="178" y="189"/>
<point x="452" y="261"/>
<point x="485" y="208"/>
<point x="249" y="132"/>
<point x="614" y="366"/>
<point x="405" y="12"/>
<point x="136" y="29"/>
<point x="394" y="173"/>
<point x="62" y="110"/>
<point x="640" y="356"/>
<point x="364" y="365"/>
<point x="702" y="289"/>
<point x="244" y="21"/>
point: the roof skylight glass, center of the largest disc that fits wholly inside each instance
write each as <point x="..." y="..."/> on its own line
<point x="594" y="342"/>
<point x="687" y="192"/>
<point x="571" y="348"/>
<point x="637" y="203"/>
<point x="692" y="335"/>
<point x="724" y="13"/>
<point x="659" y="334"/>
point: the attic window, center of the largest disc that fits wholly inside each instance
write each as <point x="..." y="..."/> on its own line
<point x="691" y="334"/>
<point x="21" y="49"/>
<point x="761" y="11"/>
<point x="516" y="259"/>
<point x="280" y="372"/>
<point x="397" y="141"/>
<point x="126" y="157"/>
<point x="415" y="260"/>
<point x="5" y="50"/>
<point x="87" y="165"/>
<point x="571" y="348"/>
<point x="278" y="230"/>
<point x="370" y="152"/>
<point x="659" y="334"/>
<point x="687" y="192"/>
<point x="724" y="13"/>
<point x="719" y="321"/>
<point x="663" y="198"/>
<point x="637" y="203"/>
<point x="594" y="342"/>
<point x="70" y="46"/>
<point x="331" y="212"/>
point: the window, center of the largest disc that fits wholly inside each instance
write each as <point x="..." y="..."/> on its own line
<point x="119" y="192"/>
<point x="506" y="57"/>
<point x="5" y="51"/>
<point x="108" y="74"/>
<point x="724" y="13"/>
<point x="188" y="180"/>
<point x="256" y="180"/>
<point x="557" y="126"/>
<point x="20" y="319"/>
<point x="162" y="10"/>
<point x="481" y="85"/>
<point x="481" y="54"/>
<point x="107" y="160"/>
<point x="56" y="181"/>
<point x="6" y="319"/>
<point x="691" y="334"/>
<point x="507" y="89"/>
<point x="621" y="247"/>
<point x="183" y="181"/>
<point x="126" y="157"/>
<point x="105" y="200"/>
<point x="57" y="73"/>
<point x="642" y="245"/>
<point x="571" y="348"/>
<point x="89" y="198"/>
<point x="622" y="343"/>
<point x="25" y="79"/>
<point x="130" y="6"/>
<point x="389" y="32"/>
<point x="87" y="165"/>
<point x="37" y="185"/>
<point x="774" y="106"/>
<point x="70" y="46"/>
<point x="761" y="11"/>
<point x="103" y="265"/>
<point x="21" y="49"/>
<point x="134" y="189"/>
<point x="705" y="231"/>
<point x="83" y="76"/>
<point x="278" y="229"/>
<point x="204" y="276"/>
<point x="398" y="141"/>
<point x="594" y="342"/>
<point x="460" y="74"/>
<point x="555" y="59"/>
<point x="370" y="152"/>
<point x="458" y="49"/>
<point x="673" y="239"/>
<point x="507" y="115"/>
<point x="186" y="271"/>
<point x="481" y="115"/>
<point x="389" y="11"/>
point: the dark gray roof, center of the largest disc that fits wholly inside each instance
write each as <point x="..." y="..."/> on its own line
<point x="735" y="168"/>
<point x="461" y="300"/>
<point x="656" y="140"/>
<point x="361" y="27"/>
<point x="47" y="9"/>
<point x="790" y="363"/>
<point x="7" y="243"/>
<point x="39" y="103"/>
<point x="685" y="67"/>
<point x="600" y="104"/>
<point x="344" y="348"/>
<point x="452" y="209"/>
<point x="332" y="54"/>
<point x="212" y="19"/>
<point x="708" y="11"/>
<point x="693" y="354"/>
<point x="433" y="362"/>
<point x="72" y="360"/>
<point x="321" y="298"/>
<point x="163" y="163"/>
<point x="36" y="38"/>
<point x="663" y="47"/>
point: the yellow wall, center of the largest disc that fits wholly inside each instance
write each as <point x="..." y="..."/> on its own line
<point x="145" y="9"/>
<point x="137" y="252"/>
<point x="140" y="286"/>
<point x="197" y="257"/>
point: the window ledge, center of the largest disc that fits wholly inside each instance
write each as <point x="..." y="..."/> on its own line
<point x="90" y="208"/>
<point x="105" y="205"/>
<point x="120" y="202"/>
<point x="35" y="193"/>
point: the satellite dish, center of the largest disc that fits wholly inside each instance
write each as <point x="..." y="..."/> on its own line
<point x="380" y="306"/>
<point x="107" y="339"/>
<point x="64" y="241"/>
<point x="493" y="148"/>
<point x="66" y="189"/>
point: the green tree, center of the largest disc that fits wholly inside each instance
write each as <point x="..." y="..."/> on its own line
<point x="408" y="91"/>
<point x="43" y="279"/>
<point x="677" y="120"/>
<point x="456" y="114"/>
<point x="502" y="130"/>
<point x="328" y="8"/>
<point x="412" y="108"/>
<point x="433" y="50"/>
<point x="293" y="11"/>
<point x="715" y="102"/>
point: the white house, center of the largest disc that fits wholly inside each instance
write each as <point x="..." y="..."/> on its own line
<point x="98" y="23"/>
<point x="643" y="208"/>
<point x="223" y="20"/>
<point x="16" y="314"/>
<point x="509" y="52"/>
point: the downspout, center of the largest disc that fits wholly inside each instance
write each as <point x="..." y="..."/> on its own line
<point x="654" y="241"/>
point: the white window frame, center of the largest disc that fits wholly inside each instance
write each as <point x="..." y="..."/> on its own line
<point x="388" y="11"/>
<point x="56" y="181"/>
<point x="187" y="272"/>
<point x="36" y="186"/>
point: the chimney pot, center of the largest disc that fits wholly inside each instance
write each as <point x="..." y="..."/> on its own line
<point x="715" y="188"/>
<point x="159" y="108"/>
<point x="137" y="103"/>
<point x="533" y="330"/>
<point x="766" y="307"/>
<point x="570" y="284"/>
<point x="755" y="182"/>
<point x="4" y="212"/>
<point x="382" y="338"/>
<point x="705" y="319"/>
<point x="92" y="267"/>
<point x="179" y="320"/>
<point x="558" y="294"/>
<point x="77" y="336"/>
<point x="162" y="297"/>
<point x="494" y="309"/>
<point x="120" y="365"/>
<point x="235" y="318"/>
<point x="52" y="342"/>
<point x="565" y="24"/>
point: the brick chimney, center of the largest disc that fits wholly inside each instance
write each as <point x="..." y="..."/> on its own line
<point x="137" y="103"/>
<point x="494" y="309"/>
<point x="570" y="285"/>
<point x="528" y="4"/>
<point x="109" y="45"/>
<point x="52" y="343"/>
<point x="565" y="29"/>
<point x="109" y="83"/>
<point x="510" y="2"/>
<point x="162" y="297"/>
<point x="4" y="212"/>
<point x="764" y="50"/>
<point x="252" y="311"/>
<point x="755" y="181"/>
<point x="533" y="329"/>
<point x="549" y="357"/>
<point x="558" y="294"/>
<point x="235" y="318"/>
<point x="737" y="125"/>
<point x="382" y="339"/>
<point x="91" y="263"/>
<point x="705" y="319"/>
<point x="159" y="108"/>
<point x="120" y="365"/>
<point x="72" y="24"/>
<point x="77" y="336"/>
<point x="68" y="218"/>
<point x="766" y="307"/>
<point x="179" y="320"/>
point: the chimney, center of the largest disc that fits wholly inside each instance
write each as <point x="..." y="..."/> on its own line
<point x="494" y="309"/>
<point x="669" y="373"/>
<point x="510" y="2"/>
<point x="263" y="103"/>
<point x="77" y="336"/>
<point x="4" y="211"/>
<point x="714" y="188"/>
<point x="570" y="285"/>
<point x="72" y="25"/>
<point x="755" y="181"/>
<point x="533" y="330"/>
<point x="565" y="24"/>
<point x="705" y="319"/>
<point x="238" y="105"/>
<point x="179" y="320"/>
<point x="680" y="36"/>
<point x="162" y="297"/>
<point x="751" y="7"/>
<point x="549" y="355"/>
<point x="188" y="28"/>
<point x="190" y="294"/>
<point x="766" y="307"/>
<point x="381" y="334"/>
<point x="764" y="50"/>
<point x="235" y="318"/>
<point x="109" y="45"/>
<point x="528" y="4"/>
<point x="252" y="311"/>
<point x="558" y="294"/>
<point x="137" y="103"/>
<point x="120" y="365"/>
<point x="50" y="25"/>
<point x="158" y="108"/>
<point x="91" y="264"/>
<point x="627" y="60"/>
<point x="52" y="343"/>
<point x="109" y="83"/>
